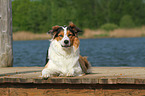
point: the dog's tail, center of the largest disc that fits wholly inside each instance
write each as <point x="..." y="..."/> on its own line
<point x="85" y="65"/>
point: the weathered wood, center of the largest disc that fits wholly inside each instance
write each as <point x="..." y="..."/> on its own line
<point x="103" y="81"/>
<point x="6" y="55"/>
<point x="50" y="90"/>
<point x="99" y="75"/>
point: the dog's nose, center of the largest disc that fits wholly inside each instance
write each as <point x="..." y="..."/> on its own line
<point x="66" y="41"/>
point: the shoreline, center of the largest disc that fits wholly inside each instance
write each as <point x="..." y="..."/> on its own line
<point x="88" y="34"/>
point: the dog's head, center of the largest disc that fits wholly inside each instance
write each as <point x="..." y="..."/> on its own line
<point x="66" y="35"/>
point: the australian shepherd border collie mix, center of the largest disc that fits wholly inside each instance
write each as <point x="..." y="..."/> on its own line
<point x="64" y="54"/>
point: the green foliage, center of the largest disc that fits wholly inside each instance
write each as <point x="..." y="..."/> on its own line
<point x="40" y="15"/>
<point x="126" y="22"/>
<point x="109" y="27"/>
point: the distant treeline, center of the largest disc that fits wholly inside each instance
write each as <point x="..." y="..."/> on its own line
<point x="40" y="15"/>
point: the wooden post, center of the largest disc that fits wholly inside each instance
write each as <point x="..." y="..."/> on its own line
<point x="6" y="53"/>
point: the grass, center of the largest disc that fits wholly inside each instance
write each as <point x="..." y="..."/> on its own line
<point x="118" y="33"/>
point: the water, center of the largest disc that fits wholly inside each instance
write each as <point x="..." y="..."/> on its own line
<point x="110" y="52"/>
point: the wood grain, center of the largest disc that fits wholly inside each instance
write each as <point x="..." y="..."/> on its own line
<point x="6" y="55"/>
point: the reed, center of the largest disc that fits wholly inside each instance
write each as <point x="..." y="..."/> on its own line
<point x="136" y="32"/>
<point x="118" y="33"/>
<point x="30" y="36"/>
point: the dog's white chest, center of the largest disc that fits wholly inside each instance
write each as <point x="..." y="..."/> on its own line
<point x="62" y="59"/>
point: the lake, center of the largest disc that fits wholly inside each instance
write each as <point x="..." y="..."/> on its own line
<point x="108" y="52"/>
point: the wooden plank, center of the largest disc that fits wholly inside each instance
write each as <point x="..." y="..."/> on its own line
<point x="101" y="82"/>
<point x="0" y="8"/>
<point x="99" y="75"/>
<point x="6" y="56"/>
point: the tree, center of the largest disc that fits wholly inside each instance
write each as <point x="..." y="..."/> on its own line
<point x="126" y="22"/>
<point x="40" y="15"/>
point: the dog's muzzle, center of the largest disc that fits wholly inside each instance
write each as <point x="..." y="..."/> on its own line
<point x="66" y="41"/>
<point x="66" y="44"/>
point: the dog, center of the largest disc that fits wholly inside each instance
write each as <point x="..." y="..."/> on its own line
<point x="63" y="56"/>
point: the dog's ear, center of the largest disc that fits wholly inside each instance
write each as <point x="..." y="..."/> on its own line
<point x="74" y="28"/>
<point x="54" y="30"/>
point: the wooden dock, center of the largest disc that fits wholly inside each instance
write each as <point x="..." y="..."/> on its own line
<point x="103" y="81"/>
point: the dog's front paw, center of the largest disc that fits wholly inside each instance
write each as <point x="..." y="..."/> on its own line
<point x="70" y="74"/>
<point x="45" y="74"/>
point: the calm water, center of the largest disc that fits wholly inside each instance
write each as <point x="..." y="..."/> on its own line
<point x="100" y="52"/>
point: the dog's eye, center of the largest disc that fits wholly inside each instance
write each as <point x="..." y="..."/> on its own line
<point x="69" y="35"/>
<point x="60" y="36"/>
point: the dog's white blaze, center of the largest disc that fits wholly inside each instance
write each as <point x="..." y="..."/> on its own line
<point x="65" y="37"/>
<point x="65" y="30"/>
<point x="65" y="33"/>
